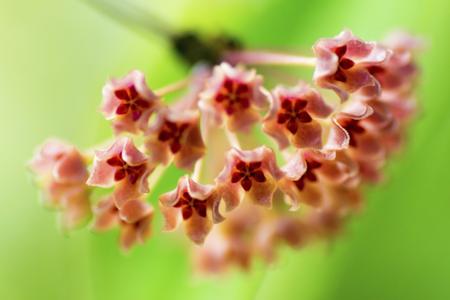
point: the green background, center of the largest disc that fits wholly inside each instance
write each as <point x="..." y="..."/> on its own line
<point x="54" y="58"/>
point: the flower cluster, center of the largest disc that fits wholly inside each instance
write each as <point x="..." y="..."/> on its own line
<point x="61" y="174"/>
<point x="240" y="197"/>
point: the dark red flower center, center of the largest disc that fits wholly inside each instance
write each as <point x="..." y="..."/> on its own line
<point x="309" y="175"/>
<point x="234" y="95"/>
<point x="353" y="128"/>
<point x="188" y="205"/>
<point x="172" y="133"/>
<point x="246" y="173"/>
<point x="133" y="173"/>
<point x="292" y="112"/>
<point x="377" y="72"/>
<point x="343" y="64"/>
<point x="131" y="101"/>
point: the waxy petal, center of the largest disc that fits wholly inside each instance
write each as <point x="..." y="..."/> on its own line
<point x="234" y="94"/>
<point x="128" y="102"/>
<point x="184" y="131"/>
<point x="256" y="189"/>
<point x="289" y="119"/>
<point x="343" y="62"/>
<point x="134" y="210"/>
<point x="193" y="210"/>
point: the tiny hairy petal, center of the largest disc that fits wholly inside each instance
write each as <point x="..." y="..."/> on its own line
<point x="346" y="63"/>
<point x="300" y="184"/>
<point x="246" y="184"/>
<point x="304" y="117"/>
<point x="254" y="165"/>
<point x="122" y="109"/>
<point x="311" y="176"/>
<point x="314" y="164"/>
<point x="229" y="110"/>
<point x="133" y="177"/>
<point x="245" y="102"/>
<point x="241" y="166"/>
<point x="220" y="97"/>
<point x="142" y="103"/>
<point x="282" y="118"/>
<point x="171" y="125"/>
<point x="200" y="207"/>
<point x="242" y="88"/>
<point x="340" y="76"/>
<point x="228" y="85"/>
<point x="164" y="136"/>
<point x="136" y="114"/>
<point x="175" y="146"/>
<point x="133" y="92"/>
<point x="340" y="51"/>
<point x="259" y="176"/>
<point x="287" y="105"/>
<point x="122" y="94"/>
<point x="300" y="104"/>
<point x="115" y="161"/>
<point x="187" y="196"/>
<point x="292" y="126"/>
<point x="186" y="212"/>
<point x="236" y="176"/>
<point x="119" y="174"/>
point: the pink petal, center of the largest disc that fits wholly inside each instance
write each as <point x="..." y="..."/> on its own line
<point x="356" y="110"/>
<point x="102" y="174"/>
<point x="295" y="167"/>
<point x="47" y="155"/>
<point x="172" y="217"/>
<point x="128" y="237"/>
<point x="308" y="135"/>
<point x="76" y="210"/>
<point x="70" y="168"/>
<point x="131" y="155"/>
<point x="106" y="215"/>
<point x="197" y="228"/>
<point x="191" y="151"/>
<point x="135" y="210"/>
<point x="125" y="190"/>
<point x="338" y="138"/>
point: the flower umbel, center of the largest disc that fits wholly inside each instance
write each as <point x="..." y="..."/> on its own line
<point x="239" y="197"/>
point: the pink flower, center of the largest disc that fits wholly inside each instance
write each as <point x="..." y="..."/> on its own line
<point x="343" y="62"/>
<point x="123" y="166"/>
<point x="345" y="125"/>
<point x="176" y="134"/>
<point x="134" y="219"/>
<point x="232" y="241"/>
<point x="291" y="119"/>
<point x="254" y="172"/>
<point x="398" y="72"/>
<point x="195" y="204"/>
<point x="61" y="171"/>
<point x="234" y="94"/>
<point x="363" y="142"/>
<point x="128" y="102"/>
<point x="308" y="171"/>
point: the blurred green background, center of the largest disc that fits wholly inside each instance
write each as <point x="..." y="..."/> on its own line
<point x="56" y="55"/>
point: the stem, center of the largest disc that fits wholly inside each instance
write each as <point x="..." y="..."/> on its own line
<point x="233" y="139"/>
<point x="268" y="58"/>
<point x="173" y="87"/>
<point x="156" y="176"/>
<point x="132" y="16"/>
<point x="197" y="170"/>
